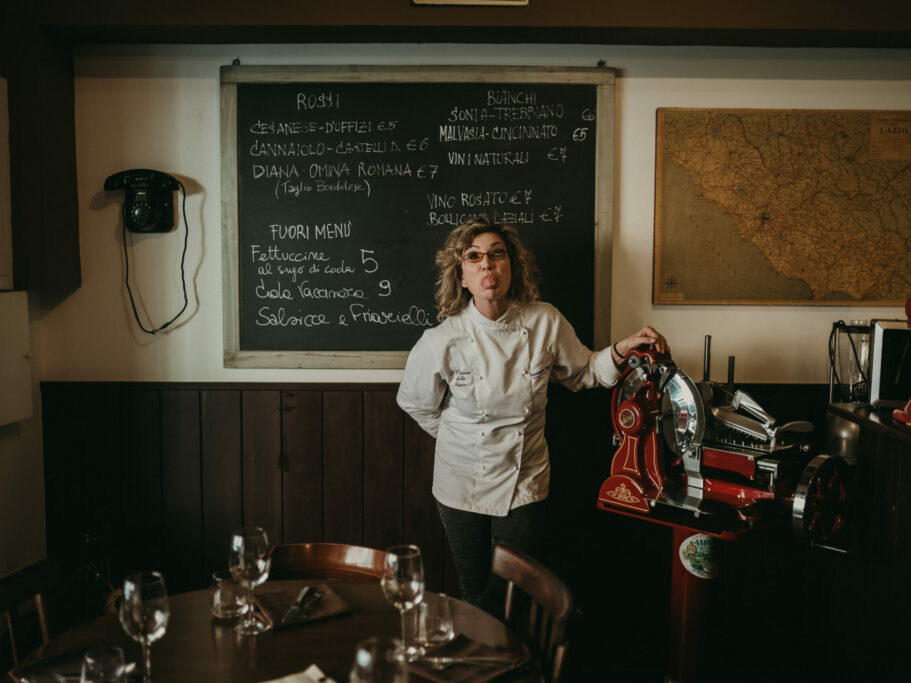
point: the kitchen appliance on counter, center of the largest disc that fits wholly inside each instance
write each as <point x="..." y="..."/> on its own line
<point x="870" y="362"/>
<point x="709" y="456"/>
<point x="707" y="460"/>
<point x="849" y="361"/>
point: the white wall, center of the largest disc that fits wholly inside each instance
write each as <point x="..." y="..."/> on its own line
<point x="157" y="107"/>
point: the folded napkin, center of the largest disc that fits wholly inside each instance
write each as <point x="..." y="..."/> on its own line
<point x="312" y="674"/>
<point x="463" y="646"/>
<point x="275" y="600"/>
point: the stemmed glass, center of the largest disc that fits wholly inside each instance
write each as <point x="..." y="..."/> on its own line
<point x="249" y="563"/>
<point x="144" y="613"/>
<point x="403" y="583"/>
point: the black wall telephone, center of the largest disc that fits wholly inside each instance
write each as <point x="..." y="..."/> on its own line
<point x="148" y="207"/>
<point x="148" y="200"/>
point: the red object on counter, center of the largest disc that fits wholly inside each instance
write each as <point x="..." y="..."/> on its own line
<point x="903" y="414"/>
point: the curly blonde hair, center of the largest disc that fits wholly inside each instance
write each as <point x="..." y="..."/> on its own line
<point x="451" y="297"/>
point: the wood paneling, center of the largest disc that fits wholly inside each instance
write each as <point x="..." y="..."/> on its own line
<point x="343" y="466"/>
<point x="859" y="598"/>
<point x="83" y="493"/>
<point x="141" y="483"/>
<point x="171" y="469"/>
<point x="82" y="488"/>
<point x="302" y="453"/>
<point x="262" y="475"/>
<point x="383" y="482"/>
<point x="901" y="586"/>
<point x="222" y="497"/>
<point x="876" y="570"/>
<point x="181" y="488"/>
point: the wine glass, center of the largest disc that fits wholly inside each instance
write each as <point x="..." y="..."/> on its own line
<point x="379" y="660"/>
<point x="102" y="665"/>
<point x="249" y="563"/>
<point x="144" y="613"/>
<point x="403" y="583"/>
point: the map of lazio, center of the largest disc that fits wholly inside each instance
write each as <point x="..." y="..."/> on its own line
<point x="767" y="206"/>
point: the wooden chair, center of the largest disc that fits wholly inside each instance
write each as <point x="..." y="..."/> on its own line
<point x="326" y="561"/>
<point x="538" y="606"/>
<point x="29" y="584"/>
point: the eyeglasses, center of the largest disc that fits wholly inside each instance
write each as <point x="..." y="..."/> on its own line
<point x="476" y="255"/>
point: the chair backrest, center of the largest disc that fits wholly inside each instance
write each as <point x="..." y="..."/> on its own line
<point x="31" y="583"/>
<point x="326" y="561"/>
<point x="538" y="606"/>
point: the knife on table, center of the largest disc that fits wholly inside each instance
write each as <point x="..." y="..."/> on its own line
<point x="443" y="662"/>
<point x="307" y="598"/>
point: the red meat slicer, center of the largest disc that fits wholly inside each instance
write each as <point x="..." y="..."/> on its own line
<point x="708" y="452"/>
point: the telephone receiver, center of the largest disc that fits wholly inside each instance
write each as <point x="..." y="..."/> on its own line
<point x="148" y="204"/>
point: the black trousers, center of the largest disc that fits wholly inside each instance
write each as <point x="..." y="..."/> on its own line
<point x="472" y="537"/>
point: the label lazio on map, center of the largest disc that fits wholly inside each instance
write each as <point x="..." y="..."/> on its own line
<point x="890" y="136"/>
<point x="764" y="206"/>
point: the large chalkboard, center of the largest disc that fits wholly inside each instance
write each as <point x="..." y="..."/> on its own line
<point x="340" y="184"/>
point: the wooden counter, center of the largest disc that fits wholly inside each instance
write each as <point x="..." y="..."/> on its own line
<point x="869" y="592"/>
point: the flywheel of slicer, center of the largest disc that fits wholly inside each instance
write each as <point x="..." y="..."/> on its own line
<point x="821" y="511"/>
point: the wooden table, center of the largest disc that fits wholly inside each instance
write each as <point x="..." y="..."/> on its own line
<point x="198" y="648"/>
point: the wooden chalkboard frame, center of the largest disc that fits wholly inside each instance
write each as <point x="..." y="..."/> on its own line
<point x="231" y="76"/>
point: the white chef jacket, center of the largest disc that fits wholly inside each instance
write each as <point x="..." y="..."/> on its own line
<point x="480" y="387"/>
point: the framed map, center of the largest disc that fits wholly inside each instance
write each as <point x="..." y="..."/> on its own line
<point x="764" y="206"/>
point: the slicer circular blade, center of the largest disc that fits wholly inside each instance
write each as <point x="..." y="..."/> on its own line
<point x="682" y="413"/>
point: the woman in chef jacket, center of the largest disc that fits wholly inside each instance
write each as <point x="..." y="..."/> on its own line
<point x="477" y="382"/>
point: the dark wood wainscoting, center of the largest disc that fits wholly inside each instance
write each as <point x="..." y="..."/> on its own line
<point x="156" y="475"/>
